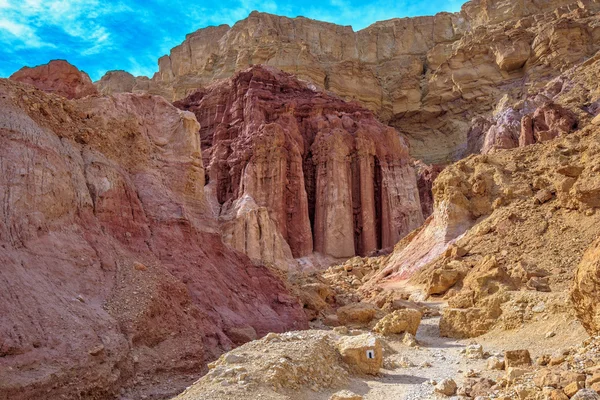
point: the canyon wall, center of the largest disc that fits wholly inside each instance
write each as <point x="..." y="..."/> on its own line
<point x="514" y="220"/>
<point x="114" y="272"/>
<point x="429" y="77"/>
<point x="332" y="179"/>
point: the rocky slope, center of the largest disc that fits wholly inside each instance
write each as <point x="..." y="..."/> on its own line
<point x="292" y="170"/>
<point x="432" y="78"/>
<point x="113" y="272"/>
<point x="511" y="220"/>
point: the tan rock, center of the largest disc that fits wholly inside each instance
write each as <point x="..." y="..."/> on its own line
<point x="447" y="387"/>
<point x="572" y="388"/>
<point x="586" y="287"/>
<point x="514" y="373"/>
<point x="363" y="352"/>
<point x="442" y="280"/>
<point x="345" y="395"/>
<point x="465" y="323"/>
<point x="356" y="313"/>
<point x="398" y="322"/>
<point x="474" y="351"/>
<point x="517" y="358"/>
<point x="495" y="363"/>
<point x="557" y="394"/>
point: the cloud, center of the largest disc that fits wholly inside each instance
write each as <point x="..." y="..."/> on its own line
<point x="19" y="35"/>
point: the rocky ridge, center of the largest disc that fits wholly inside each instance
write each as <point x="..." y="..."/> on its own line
<point x="432" y="78"/>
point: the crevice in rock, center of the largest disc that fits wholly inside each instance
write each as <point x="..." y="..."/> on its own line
<point x="377" y="185"/>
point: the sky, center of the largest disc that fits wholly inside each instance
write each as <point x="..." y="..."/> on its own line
<point x="102" y="35"/>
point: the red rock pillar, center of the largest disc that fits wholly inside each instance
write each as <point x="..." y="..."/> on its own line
<point x="334" y="225"/>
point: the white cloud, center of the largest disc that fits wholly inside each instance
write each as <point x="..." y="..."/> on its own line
<point x="13" y="32"/>
<point x="23" y="20"/>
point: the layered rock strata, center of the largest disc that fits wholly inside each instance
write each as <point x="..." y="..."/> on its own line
<point x="429" y="77"/>
<point x="333" y="179"/>
<point x="113" y="268"/>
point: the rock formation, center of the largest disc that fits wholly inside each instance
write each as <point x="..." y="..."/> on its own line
<point x="59" y="77"/>
<point x="584" y="293"/>
<point x="496" y="217"/>
<point x="113" y="268"/>
<point x="429" y="77"/>
<point x="333" y="179"/>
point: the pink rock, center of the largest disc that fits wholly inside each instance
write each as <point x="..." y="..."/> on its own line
<point x="334" y="179"/>
<point x="59" y="77"/>
<point x="112" y="267"/>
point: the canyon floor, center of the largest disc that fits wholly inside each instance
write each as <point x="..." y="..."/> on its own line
<point x="411" y="368"/>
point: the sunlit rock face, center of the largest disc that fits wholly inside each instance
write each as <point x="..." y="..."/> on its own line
<point x="113" y="267"/>
<point x="59" y="77"/>
<point x="428" y="77"/>
<point x="333" y="179"/>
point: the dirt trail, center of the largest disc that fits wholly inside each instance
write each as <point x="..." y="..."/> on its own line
<point x="436" y="358"/>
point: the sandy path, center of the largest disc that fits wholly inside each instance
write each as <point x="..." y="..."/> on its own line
<point x="412" y="383"/>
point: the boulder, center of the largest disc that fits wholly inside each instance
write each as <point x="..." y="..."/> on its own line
<point x="474" y="352"/>
<point x="399" y="321"/>
<point x="446" y="386"/>
<point x="495" y="363"/>
<point x="585" y="291"/>
<point x="517" y="358"/>
<point x="356" y="314"/>
<point x="364" y="352"/>
<point x="514" y="373"/>
<point x="586" y="394"/>
<point x="442" y="280"/>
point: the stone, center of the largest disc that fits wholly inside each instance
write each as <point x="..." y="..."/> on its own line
<point x="557" y="394"/>
<point x="446" y="386"/>
<point x="466" y="323"/>
<point x="356" y="313"/>
<point x="474" y="351"/>
<point x="572" y="388"/>
<point x="363" y="353"/>
<point x="586" y="394"/>
<point x="345" y="395"/>
<point x="517" y="358"/>
<point x="594" y="378"/>
<point x="59" y="77"/>
<point x="399" y="321"/>
<point x="585" y="289"/>
<point x="495" y="363"/>
<point x="543" y="196"/>
<point x="241" y="334"/>
<point x="514" y="373"/>
<point x="409" y="340"/>
<point x="442" y="280"/>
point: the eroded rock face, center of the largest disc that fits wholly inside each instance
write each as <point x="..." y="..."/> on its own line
<point x="116" y="82"/>
<point x="333" y="179"/>
<point x="429" y="77"/>
<point x="113" y="269"/>
<point x="584" y="292"/>
<point x="59" y="77"/>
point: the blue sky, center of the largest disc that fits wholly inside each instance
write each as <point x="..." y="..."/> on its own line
<point x="98" y="36"/>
